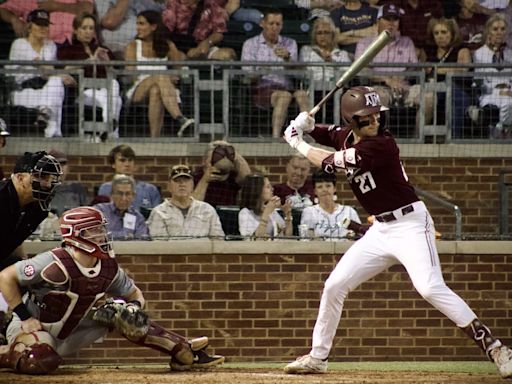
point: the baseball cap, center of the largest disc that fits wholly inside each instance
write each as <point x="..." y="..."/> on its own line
<point x="221" y="151"/>
<point x="39" y="16"/>
<point x="59" y="155"/>
<point x="3" y="128"/>
<point x="180" y="170"/>
<point x="27" y="162"/>
<point x="390" y="10"/>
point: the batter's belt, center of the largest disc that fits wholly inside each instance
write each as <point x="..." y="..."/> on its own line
<point x="386" y="217"/>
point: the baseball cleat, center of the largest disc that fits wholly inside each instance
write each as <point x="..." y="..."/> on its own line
<point x="306" y="364"/>
<point x="202" y="360"/>
<point x="502" y="357"/>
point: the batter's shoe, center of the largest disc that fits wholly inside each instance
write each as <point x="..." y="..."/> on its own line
<point x="502" y="357"/>
<point x="306" y="364"/>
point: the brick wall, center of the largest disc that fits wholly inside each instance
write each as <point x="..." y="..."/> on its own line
<point x="263" y="306"/>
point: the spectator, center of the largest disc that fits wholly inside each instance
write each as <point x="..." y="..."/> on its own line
<point x="508" y="18"/>
<point x="497" y="90"/>
<point x="325" y="219"/>
<point x="417" y="15"/>
<point x="259" y="217"/>
<point x="444" y="36"/>
<point x="354" y="21"/>
<point x="61" y="13"/>
<point x="319" y="8"/>
<point x="182" y="216"/>
<point x="232" y="7"/>
<point x="118" y="20"/>
<point x="69" y="194"/>
<point x="122" y="160"/>
<point x="391" y="89"/>
<point x="274" y="89"/>
<point x="297" y="189"/>
<point x="39" y="90"/>
<point x="71" y="280"/>
<point x="323" y="49"/>
<point x="4" y="133"/>
<point x="471" y="25"/>
<point x="124" y="222"/>
<point x="85" y="47"/>
<point x="153" y="44"/>
<point x="223" y="173"/>
<point x="197" y="28"/>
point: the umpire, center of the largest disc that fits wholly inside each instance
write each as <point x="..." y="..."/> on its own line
<point x="24" y="200"/>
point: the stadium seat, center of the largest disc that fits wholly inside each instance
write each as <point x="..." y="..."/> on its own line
<point x="228" y="215"/>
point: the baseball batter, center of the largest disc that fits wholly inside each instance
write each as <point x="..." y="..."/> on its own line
<point x="402" y="233"/>
<point x="56" y="316"/>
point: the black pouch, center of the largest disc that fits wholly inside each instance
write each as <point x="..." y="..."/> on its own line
<point x="34" y="83"/>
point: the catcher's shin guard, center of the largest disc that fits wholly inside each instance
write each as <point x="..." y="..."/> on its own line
<point x="38" y="359"/>
<point x="482" y="336"/>
<point x="167" y="342"/>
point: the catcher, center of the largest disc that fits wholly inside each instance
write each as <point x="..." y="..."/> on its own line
<point x="56" y="316"/>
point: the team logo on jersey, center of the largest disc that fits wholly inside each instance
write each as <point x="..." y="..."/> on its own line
<point x="372" y="99"/>
<point x="29" y="270"/>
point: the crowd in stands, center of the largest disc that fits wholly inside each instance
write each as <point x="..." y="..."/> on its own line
<point x="96" y="32"/>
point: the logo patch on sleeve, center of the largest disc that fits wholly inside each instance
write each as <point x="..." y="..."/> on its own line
<point x="29" y="270"/>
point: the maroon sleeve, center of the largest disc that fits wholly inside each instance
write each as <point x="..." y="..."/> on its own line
<point x="329" y="135"/>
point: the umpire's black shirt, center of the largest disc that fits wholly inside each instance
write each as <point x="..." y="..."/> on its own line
<point x="16" y="223"/>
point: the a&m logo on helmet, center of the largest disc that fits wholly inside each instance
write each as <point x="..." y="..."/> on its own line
<point x="372" y="99"/>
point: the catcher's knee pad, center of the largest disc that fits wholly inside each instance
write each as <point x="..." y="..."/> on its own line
<point x="38" y="359"/>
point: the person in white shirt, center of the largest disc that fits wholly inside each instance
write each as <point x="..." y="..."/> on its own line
<point x="259" y="217"/>
<point x="325" y="219"/>
<point x="182" y="216"/>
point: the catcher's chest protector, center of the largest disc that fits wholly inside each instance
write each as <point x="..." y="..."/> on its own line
<point x="72" y="288"/>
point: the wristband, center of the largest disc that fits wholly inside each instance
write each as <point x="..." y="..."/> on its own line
<point x="22" y="311"/>
<point x="303" y="148"/>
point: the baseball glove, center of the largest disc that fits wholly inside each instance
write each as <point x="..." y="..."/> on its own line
<point x="127" y="318"/>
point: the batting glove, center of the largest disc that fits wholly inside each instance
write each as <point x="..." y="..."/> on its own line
<point x="304" y="122"/>
<point x="293" y="136"/>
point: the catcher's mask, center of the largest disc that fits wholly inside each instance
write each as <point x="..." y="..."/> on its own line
<point x="361" y="101"/>
<point x="45" y="178"/>
<point x="85" y="228"/>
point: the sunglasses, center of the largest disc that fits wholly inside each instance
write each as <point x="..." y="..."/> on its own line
<point x="180" y="171"/>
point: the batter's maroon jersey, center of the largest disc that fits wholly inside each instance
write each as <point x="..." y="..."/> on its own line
<point x="378" y="180"/>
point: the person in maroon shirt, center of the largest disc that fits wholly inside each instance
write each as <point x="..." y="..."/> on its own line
<point x="297" y="188"/>
<point x="403" y="231"/>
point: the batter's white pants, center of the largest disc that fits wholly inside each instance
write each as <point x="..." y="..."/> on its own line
<point x="50" y="96"/>
<point x="410" y="240"/>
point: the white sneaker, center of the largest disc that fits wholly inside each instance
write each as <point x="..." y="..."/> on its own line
<point x="306" y="364"/>
<point x="502" y="357"/>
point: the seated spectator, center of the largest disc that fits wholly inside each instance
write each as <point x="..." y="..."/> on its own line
<point x="319" y="8"/>
<point x="497" y="90"/>
<point x="444" y="36"/>
<point x="325" y="219"/>
<point x="122" y="160"/>
<point x="508" y="18"/>
<point x="259" y="217"/>
<point x="118" y="20"/>
<point x="222" y="175"/>
<point x="274" y="89"/>
<point x="86" y="48"/>
<point x="354" y="21"/>
<point x="39" y="90"/>
<point x="391" y="89"/>
<point x="471" y="25"/>
<point x="323" y="49"/>
<point x="182" y="216"/>
<point x="417" y="15"/>
<point x="61" y="13"/>
<point x="297" y="189"/>
<point x="232" y="7"/>
<point x="153" y="44"/>
<point x="4" y="133"/>
<point x="69" y="194"/>
<point x="124" y="222"/>
<point x="197" y="29"/>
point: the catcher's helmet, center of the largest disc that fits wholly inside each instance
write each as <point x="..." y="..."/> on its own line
<point x="85" y="228"/>
<point x="360" y="101"/>
<point x="46" y="174"/>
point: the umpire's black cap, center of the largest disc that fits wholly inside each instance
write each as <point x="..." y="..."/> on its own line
<point x="27" y="162"/>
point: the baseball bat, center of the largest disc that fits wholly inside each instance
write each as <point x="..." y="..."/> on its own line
<point x="355" y="67"/>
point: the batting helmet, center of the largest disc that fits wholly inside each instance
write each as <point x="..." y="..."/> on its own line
<point x="85" y="228"/>
<point x="46" y="174"/>
<point x="360" y="101"/>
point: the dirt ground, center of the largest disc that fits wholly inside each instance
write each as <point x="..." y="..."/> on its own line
<point x="243" y="376"/>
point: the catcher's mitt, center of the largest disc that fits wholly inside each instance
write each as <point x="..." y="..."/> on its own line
<point x="127" y="318"/>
